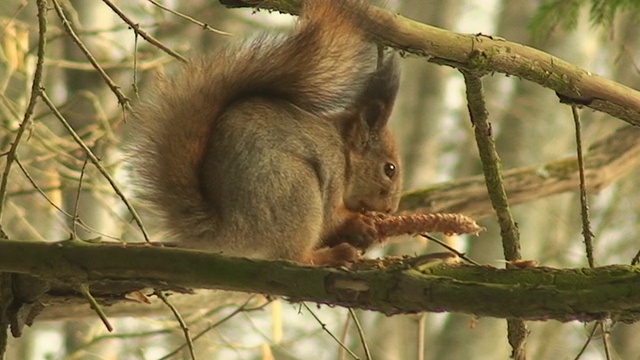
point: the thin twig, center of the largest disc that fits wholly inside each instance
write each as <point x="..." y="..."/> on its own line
<point x="584" y="204"/>
<point x="461" y="255"/>
<point x="189" y="18"/>
<point x="605" y="339"/>
<point x="491" y="166"/>
<point x="96" y="162"/>
<point x="363" y="338"/>
<point x="35" y="91"/>
<point x="120" y="65"/>
<point x="241" y="308"/>
<point x="586" y="343"/>
<point x="324" y="328"/>
<point x="76" y="204"/>
<point x="122" y="98"/>
<point x="136" y="90"/>
<point x="183" y="325"/>
<point x="492" y="169"/>
<point x="42" y="191"/>
<point x="584" y="213"/>
<point x="84" y="290"/>
<point x="136" y="28"/>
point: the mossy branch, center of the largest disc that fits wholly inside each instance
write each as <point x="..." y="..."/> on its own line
<point x="483" y="53"/>
<point x="390" y="287"/>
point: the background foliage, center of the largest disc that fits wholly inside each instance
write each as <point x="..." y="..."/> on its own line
<point x="431" y="122"/>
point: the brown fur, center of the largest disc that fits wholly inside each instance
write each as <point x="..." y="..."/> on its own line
<point x="271" y="149"/>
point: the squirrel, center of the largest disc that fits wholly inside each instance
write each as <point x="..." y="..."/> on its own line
<point x="275" y="149"/>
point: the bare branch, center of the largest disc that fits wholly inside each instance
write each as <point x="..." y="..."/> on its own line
<point x="143" y="33"/>
<point x="122" y="98"/>
<point x="96" y="162"/>
<point x="605" y="162"/>
<point x="33" y="98"/>
<point x="492" y="167"/>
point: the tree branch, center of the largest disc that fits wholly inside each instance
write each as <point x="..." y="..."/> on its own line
<point x="492" y="168"/>
<point x="390" y="287"/>
<point x="605" y="162"/>
<point x="482" y="53"/>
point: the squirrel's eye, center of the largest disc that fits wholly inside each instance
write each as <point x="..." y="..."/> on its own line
<point x="389" y="170"/>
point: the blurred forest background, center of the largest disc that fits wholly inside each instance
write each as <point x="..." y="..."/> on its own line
<point x="430" y="121"/>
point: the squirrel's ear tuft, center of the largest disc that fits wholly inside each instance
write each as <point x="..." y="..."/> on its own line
<point x="379" y="93"/>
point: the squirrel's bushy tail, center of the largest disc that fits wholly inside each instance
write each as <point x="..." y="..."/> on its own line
<point x="321" y="68"/>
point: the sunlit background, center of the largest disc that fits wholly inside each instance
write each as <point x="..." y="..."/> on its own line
<point x="430" y="121"/>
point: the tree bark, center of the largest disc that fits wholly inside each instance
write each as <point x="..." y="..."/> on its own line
<point x="389" y="286"/>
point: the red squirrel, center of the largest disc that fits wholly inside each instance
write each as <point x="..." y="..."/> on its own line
<point x="274" y="149"/>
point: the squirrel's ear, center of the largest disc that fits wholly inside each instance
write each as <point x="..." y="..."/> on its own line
<point x="373" y="107"/>
<point x="379" y="93"/>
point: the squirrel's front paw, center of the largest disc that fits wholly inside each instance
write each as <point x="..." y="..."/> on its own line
<point x="339" y="255"/>
<point x="358" y="230"/>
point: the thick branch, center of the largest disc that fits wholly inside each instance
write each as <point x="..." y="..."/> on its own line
<point x="397" y="287"/>
<point x="487" y="54"/>
<point x="483" y="53"/>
